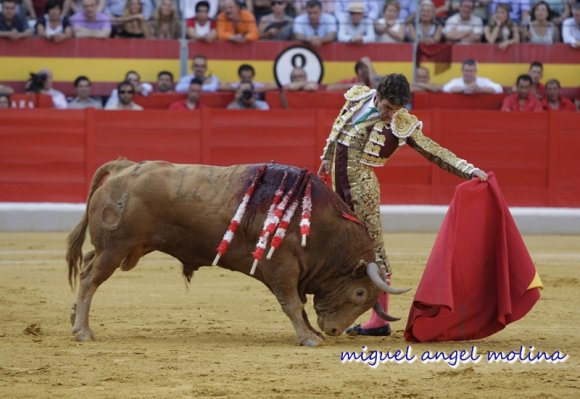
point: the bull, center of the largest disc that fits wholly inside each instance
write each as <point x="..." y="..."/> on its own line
<point x="183" y="211"/>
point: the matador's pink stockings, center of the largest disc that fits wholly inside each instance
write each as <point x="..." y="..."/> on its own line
<point x="375" y="320"/>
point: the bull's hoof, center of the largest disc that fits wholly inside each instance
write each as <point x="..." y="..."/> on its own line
<point x="84" y="335"/>
<point x="315" y="340"/>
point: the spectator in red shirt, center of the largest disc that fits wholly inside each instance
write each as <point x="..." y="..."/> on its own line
<point x="554" y="100"/>
<point x="191" y="103"/>
<point x="522" y="99"/>
<point x="536" y="72"/>
<point x="165" y="82"/>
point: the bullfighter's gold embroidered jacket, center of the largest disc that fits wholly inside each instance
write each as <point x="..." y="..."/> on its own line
<point x="378" y="141"/>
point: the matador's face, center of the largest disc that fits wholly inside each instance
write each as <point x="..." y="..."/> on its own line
<point x="386" y="109"/>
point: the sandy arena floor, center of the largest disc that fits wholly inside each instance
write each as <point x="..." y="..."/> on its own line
<point x="226" y="336"/>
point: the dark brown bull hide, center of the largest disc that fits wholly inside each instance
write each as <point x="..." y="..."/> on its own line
<point x="184" y="210"/>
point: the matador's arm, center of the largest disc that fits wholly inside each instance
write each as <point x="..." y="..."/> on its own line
<point x="408" y="129"/>
<point x="440" y="156"/>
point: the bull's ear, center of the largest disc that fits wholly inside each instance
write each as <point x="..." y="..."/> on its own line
<point x="360" y="268"/>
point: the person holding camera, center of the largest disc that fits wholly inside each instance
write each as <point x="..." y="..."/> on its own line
<point x="42" y="83"/>
<point x="277" y="25"/>
<point x="245" y="98"/>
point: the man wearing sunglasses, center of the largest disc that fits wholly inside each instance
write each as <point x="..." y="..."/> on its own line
<point x="126" y="92"/>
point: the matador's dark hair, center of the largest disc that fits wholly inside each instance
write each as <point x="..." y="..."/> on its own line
<point x="395" y="88"/>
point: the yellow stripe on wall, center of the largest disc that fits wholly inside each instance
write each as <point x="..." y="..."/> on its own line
<point x="113" y="70"/>
<point x="97" y="69"/>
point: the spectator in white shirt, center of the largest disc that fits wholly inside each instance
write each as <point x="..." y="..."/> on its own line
<point x="470" y="83"/>
<point x="464" y="27"/>
<point x="58" y="98"/>
<point x="354" y="27"/>
<point x="390" y="29"/>
<point x="371" y="8"/>
<point x="571" y="28"/>
<point x="210" y="82"/>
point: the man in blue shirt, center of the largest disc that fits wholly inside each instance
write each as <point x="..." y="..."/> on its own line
<point x="315" y="27"/>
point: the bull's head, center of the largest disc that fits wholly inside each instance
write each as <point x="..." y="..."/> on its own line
<point x="347" y="298"/>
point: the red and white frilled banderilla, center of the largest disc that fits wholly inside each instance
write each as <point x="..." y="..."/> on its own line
<point x="283" y="207"/>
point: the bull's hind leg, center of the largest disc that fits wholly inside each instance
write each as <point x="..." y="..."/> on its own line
<point x="86" y="260"/>
<point x="98" y="269"/>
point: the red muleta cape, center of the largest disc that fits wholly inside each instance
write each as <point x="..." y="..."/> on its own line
<point x="480" y="276"/>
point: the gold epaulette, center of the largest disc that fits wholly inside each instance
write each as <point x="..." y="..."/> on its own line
<point x="404" y="124"/>
<point x="358" y="92"/>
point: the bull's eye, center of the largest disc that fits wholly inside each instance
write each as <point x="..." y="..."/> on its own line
<point x="360" y="292"/>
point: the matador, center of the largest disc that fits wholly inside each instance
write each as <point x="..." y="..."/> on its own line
<point x="371" y="127"/>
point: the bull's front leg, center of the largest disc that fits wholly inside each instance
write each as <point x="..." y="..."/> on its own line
<point x="294" y="308"/>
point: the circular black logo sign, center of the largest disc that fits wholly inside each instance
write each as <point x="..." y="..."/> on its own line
<point x="298" y="57"/>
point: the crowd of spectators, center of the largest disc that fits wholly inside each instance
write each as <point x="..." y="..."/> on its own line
<point x="501" y="22"/>
<point x="528" y="94"/>
<point x="315" y="22"/>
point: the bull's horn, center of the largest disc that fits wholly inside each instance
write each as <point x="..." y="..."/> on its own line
<point x="373" y="272"/>
<point x="380" y="311"/>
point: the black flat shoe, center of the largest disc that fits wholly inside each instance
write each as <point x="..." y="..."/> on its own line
<point x="383" y="331"/>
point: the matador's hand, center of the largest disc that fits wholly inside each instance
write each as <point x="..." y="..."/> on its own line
<point x="324" y="167"/>
<point x="481" y="174"/>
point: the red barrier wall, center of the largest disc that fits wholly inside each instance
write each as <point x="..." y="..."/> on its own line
<point x="50" y="155"/>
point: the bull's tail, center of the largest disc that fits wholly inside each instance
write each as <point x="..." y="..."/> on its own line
<point x="76" y="239"/>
